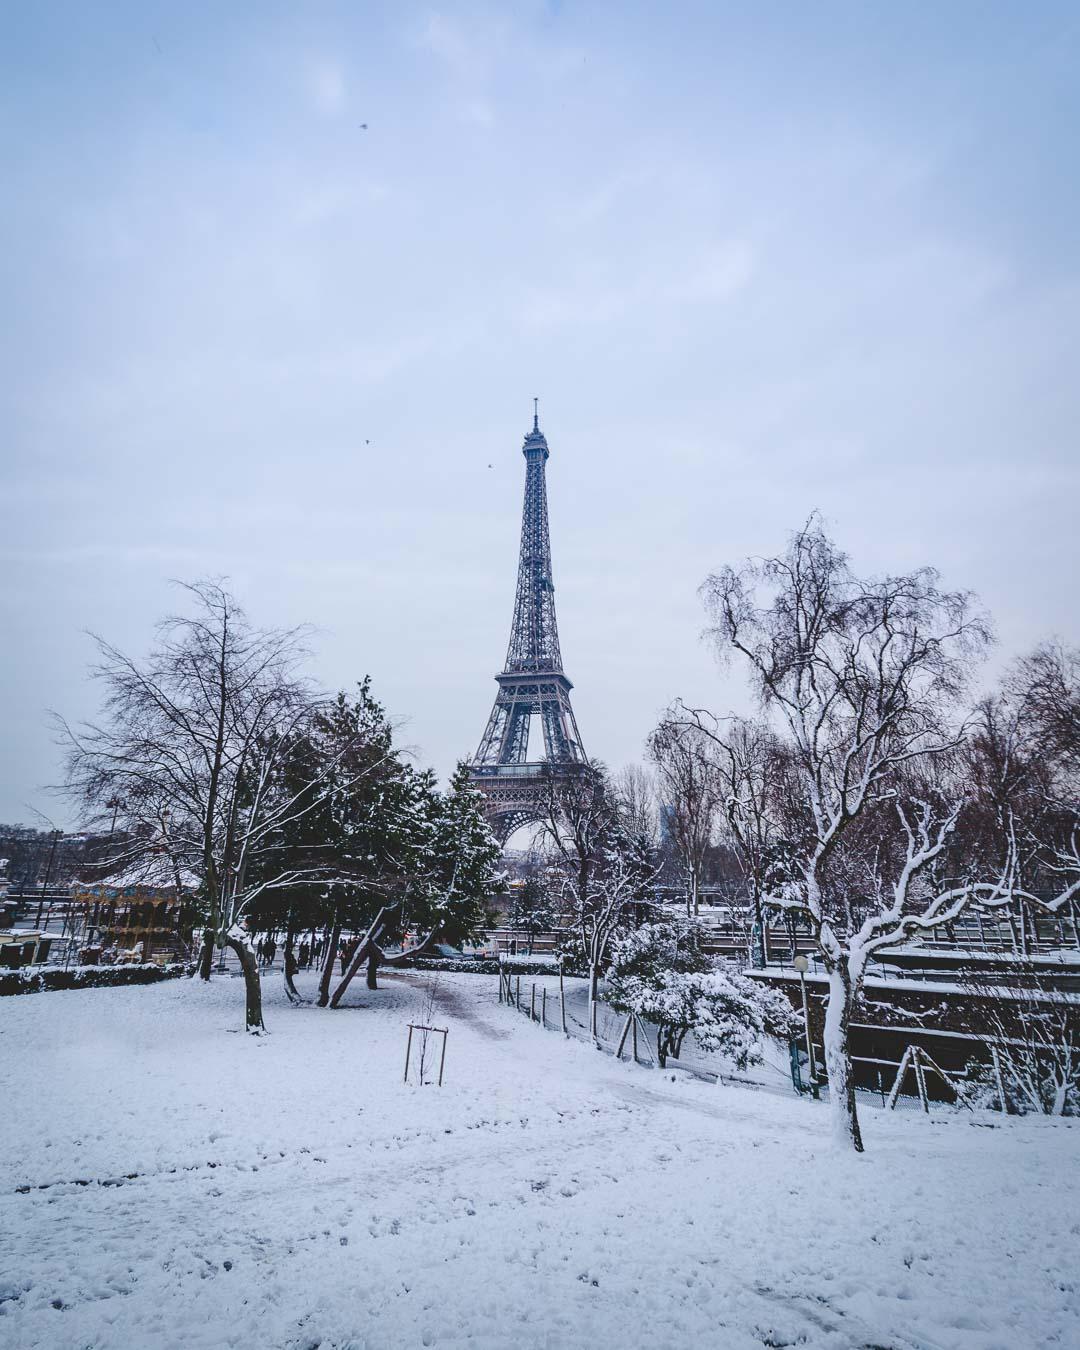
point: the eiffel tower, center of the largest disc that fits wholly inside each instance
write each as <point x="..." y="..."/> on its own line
<point x="532" y="683"/>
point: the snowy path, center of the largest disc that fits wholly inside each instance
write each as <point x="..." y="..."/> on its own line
<point x="292" y="1192"/>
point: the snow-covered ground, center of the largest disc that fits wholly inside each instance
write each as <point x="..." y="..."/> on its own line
<point x="191" y="1186"/>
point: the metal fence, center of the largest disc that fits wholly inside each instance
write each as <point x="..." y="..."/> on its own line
<point x="559" y="1005"/>
<point x="563" y="1006"/>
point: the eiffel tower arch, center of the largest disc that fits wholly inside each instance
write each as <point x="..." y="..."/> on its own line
<point x="532" y="682"/>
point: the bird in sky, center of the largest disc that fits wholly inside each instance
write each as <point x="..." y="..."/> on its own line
<point x="363" y="126"/>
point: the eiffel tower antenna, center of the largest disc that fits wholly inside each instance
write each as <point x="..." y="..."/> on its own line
<point x="532" y="682"/>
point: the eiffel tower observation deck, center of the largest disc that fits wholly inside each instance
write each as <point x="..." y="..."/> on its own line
<point x="533" y="683"/>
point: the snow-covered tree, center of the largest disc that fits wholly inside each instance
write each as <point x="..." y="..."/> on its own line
<point x="189" y="759"/>
<point x="532" y="909"/>
<point x="864" y="677"/>
<point x="451" y="865"/>
<point x="1043" y="689"/>
<point x="605" y="872"/>
<point x="753" y="786"/>
<point x="661" y="973"/>
<point x="1033" y="1032"/>
<point x="353" y="838"/>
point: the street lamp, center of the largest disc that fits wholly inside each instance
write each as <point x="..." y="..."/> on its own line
<point x="801" y="964"/>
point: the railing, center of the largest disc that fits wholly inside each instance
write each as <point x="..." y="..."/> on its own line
<point x="514" y="770"/>
<point x="556" y="1007"/>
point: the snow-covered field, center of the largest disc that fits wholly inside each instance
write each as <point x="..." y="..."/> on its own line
<point x="191" y="1186"/>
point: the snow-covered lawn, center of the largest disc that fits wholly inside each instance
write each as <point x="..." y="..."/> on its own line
<point x="290" y="1191"/>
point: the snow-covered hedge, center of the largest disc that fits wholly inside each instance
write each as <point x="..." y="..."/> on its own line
<point x="518" y="965"/>
<point x="40" y="979"/>
<point x="458" y="965"/>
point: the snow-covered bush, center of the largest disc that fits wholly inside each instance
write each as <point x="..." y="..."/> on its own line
<point x="1040" y="1074"/>
<point x="661" y="973"/>
<point x="40" y="979"/>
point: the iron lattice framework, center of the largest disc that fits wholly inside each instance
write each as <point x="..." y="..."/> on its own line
<point x="532" y="683"/>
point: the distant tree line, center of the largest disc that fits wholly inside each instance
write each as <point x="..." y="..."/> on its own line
<point x="38" y="857"/>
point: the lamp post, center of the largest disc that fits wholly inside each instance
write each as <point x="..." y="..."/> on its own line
<point x="801" y="964"/>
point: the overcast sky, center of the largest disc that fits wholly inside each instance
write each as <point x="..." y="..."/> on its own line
<point x="754" y="259"/>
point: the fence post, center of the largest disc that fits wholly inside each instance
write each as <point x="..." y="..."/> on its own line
<point x="901" y="1070"/>
<point x="929" y="1063"/>
<point x="517" y="993"/>
<point x="920" y="1079"/>
<point x="562" y="1000"/>
<point x="543" y="1006"/>
<point x="634" y="1032"/>
<point x="622" y="1038"/>
<point x="532" y="1003"/>
<point x="408" y="1048"/>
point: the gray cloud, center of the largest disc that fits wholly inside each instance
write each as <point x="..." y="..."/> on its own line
<point x="751" y="267"/>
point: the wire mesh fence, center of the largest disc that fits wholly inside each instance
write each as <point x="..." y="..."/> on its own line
<point x="562" y="1005"/>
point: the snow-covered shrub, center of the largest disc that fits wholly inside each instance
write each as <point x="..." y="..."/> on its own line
<point x="40" y="979"/>
<point x="661" y="973"/>
<point x="1040" y="1074"/>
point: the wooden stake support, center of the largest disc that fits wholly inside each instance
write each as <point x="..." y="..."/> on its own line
<point x="917" y="1059"/>
<point x="438" y="1031"/>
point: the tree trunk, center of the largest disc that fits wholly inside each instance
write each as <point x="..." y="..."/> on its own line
<point x="838" y="1060"/>
<point x="373" y="934"/>
<point x="759" y="919"/>
<point x="372" y="968"/>
<point x="594" y="994"/>
<point x="291" y="967"/>
<point x="206" y="955"/>
<point x="253" y="1018"/>
<point x="329" y="958"/>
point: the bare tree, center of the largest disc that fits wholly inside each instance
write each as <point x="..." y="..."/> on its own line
<point x="754" y="788"/>
<point x="864" y="677"/>
<point x="1046" y="685"/>
<point x="1044" y="688"/>
<point x="635" y="793"/>
<point x="1022" y="766"/>
<point x="690" y="791"/>
<point x="603" y="868"/>
<point x="191" y="745"/>
<point x="1009" y="781"/>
